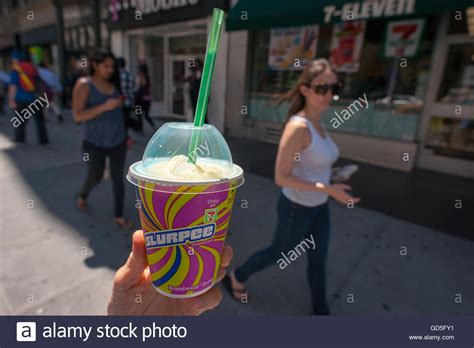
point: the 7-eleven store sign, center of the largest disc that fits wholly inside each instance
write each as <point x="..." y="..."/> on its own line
<point x="403" y="37"/>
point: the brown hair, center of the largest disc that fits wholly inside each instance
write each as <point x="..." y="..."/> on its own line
<point x="294" y="96"/>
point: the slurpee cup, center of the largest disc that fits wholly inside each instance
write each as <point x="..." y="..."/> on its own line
<point x="185" y="206"/>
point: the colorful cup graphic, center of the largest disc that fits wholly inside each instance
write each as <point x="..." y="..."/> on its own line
<point x="185" y="212"/>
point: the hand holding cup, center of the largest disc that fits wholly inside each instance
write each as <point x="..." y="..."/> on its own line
<point x="133" y="293"/>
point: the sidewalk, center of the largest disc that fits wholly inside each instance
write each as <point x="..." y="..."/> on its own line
<point x="57" y="260"/>
<point x="423" y="197"/>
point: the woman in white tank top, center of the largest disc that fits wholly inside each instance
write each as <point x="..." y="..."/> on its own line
<point x="303" y="169"/>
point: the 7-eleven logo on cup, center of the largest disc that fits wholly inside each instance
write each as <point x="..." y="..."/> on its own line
<point x="210" y="215"/>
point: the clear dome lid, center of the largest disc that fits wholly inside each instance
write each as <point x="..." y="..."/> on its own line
<point x="171" y="156"/>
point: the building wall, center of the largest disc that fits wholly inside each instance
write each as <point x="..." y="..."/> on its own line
<point x="236" y="77"/>
<point x="42" y="14"/>
<point x="217" y="102"/>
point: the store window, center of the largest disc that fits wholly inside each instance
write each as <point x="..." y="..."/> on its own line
<point x="189" y="45"/>
<point x="461" y="22"/>
<point x="457" y="85"/>
<point x="395" y="88"/>
<point x="452" y="134"/>
<point x="451" y="137"/>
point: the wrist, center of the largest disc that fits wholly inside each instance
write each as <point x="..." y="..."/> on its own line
<point x="323" y="188"/>
<point x="103" y="107"/>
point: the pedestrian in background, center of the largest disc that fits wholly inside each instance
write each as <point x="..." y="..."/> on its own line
<point x="56" y="89"/>
<point x="127" y="85"/>
<point x="4" y="80"/>
<point x="76" y="70"/>
<point x="22" y="91"/>
<point x="194" y="81"/>
<point x="97" y="103"/>
<point x="143" y="96"/>
<point x="303" y="209"/>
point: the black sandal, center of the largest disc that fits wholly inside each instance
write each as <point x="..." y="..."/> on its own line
<point x="232" y="291"/>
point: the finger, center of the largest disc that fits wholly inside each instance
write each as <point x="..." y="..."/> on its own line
<point x="208" y="300"/>
<point x="345" y="187"/>
<point x="137" y="262"/>
<point x="353" y="200"/>
<point x="221" y="274"/>
<point x="201" y="303"/>
<point x="227" y="255"/>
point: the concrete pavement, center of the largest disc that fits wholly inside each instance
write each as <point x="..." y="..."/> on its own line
<point x="422" y="197"/>
<point x="57" y="260"/>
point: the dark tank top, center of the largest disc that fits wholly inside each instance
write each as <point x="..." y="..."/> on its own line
<point x="108" y="129"/>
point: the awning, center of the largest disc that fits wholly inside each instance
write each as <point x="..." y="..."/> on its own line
<point x="39" y="36"/>
<point x="263" y="14"/>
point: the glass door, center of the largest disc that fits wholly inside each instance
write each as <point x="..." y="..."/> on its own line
<point x="448" y="118"/>
<point x="180" y="103"/>
<point x="183" y="48"/>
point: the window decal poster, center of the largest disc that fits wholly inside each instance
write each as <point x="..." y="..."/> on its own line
<point x="292" y="48"/>
<point x="403" y="38"/>
<point x="346" y="45"/>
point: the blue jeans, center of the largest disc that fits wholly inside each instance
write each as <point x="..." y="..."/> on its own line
<point x="295" y="223"/>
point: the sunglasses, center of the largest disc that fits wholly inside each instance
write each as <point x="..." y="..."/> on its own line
<point x="324" y="88"/>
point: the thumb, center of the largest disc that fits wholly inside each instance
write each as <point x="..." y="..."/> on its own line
<point x="132" y="272"/>
<point x="137" y="260"/>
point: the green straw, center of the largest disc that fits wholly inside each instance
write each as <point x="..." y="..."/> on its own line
<point x="209" y="62"/>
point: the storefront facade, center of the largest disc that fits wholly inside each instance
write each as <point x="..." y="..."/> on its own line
<point x="411" y="60"/>
<point x="169" y="36"/>
<point x="6" y="42"/>
<point x="30" y="29"/>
